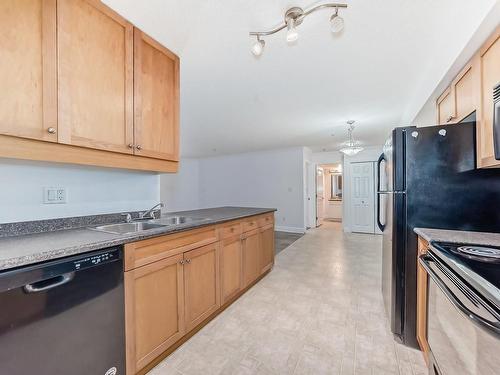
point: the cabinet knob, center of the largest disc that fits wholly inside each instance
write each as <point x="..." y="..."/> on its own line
<point x="188" y="261"/>
<point x="181" y="262"/>
<point x="450" y="117"/>
<point x="138" y="147"/>
<point x="51" y="130"/>
<point x="130" y="145"/>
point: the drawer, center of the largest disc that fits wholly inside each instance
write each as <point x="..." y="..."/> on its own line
<point x="140" y="253"/>
<point x="250" y="224"/>
<point x="230" y="229"/>
<point x="266" y="220"/>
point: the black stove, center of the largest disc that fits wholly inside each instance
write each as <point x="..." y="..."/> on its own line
<point x="478" y="265"/>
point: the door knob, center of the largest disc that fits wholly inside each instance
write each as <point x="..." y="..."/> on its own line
<point x="51" y="130"/>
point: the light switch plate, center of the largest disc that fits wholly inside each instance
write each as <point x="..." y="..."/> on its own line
<point x="54" y="195"/>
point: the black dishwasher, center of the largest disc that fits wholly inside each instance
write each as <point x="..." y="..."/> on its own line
<point x="64" y="316"/>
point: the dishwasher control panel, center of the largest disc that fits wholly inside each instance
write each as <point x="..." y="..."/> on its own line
<point x="97" y="259"/>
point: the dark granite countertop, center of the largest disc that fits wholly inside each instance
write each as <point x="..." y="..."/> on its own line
<point x="459" y="236"/>
<point x="16" y="251"/>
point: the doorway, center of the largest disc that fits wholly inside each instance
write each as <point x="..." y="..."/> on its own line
<point x="329" y="187"/>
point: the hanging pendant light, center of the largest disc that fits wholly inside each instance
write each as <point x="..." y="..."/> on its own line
<point x="351" y="147"/>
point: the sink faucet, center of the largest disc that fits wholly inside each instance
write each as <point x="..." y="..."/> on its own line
<point x="149" y="213"/>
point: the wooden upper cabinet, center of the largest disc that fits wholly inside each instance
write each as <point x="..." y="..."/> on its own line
<point x="446" y="110"/>
<point x="95" y="76"/>
<point x="201" y="283"/>
<point x="28" y="69"/>
<point x="156" y="99"/>
<point x="154" y="310"/>
<point x="490" y="76"/>
<point x="460" y="99"/>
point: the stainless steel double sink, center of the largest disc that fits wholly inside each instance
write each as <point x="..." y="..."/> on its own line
<point x="140" y="226"/>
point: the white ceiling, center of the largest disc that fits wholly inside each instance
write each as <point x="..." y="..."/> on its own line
<point x="379" y="72"/>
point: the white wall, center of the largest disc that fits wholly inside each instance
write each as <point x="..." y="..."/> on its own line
<point x="329" y="157"/>
<point x="181" y="191"/>
<point x="369" y="154"/>
<point x="89" y="190"/>
<point x="260" y="179"/>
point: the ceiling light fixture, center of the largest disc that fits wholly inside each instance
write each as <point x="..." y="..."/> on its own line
<point x="293" y="18"/>
<point x="351" y="147"/>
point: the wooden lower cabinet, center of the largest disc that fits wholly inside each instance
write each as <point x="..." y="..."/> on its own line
<point x="176" y="283"/>
<point x="154" y="310"/>
<point x="422" y="301"/>
<point x="231" y="267"/>
<point x="201" y="284"/>
<point x="252" y="264"/>
<point x="267" y="247"/>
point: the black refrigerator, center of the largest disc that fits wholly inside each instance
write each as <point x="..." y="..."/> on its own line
<point x="427" y="177"/>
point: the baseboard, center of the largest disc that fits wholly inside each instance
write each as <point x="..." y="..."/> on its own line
<point x="289" y="229"/>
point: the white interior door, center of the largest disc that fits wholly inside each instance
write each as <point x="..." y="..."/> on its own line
<point x="363" y="197"/>
<point x="310" y="192"/>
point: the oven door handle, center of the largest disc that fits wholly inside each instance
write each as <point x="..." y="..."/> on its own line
<point x="476" y="319"/>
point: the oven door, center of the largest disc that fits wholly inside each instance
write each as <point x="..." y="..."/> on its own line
<point x="463" y="331"/>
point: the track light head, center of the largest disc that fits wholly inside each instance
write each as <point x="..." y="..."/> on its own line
<point x="258" y="47"/>
<point x="336" y="22"/>
<point x="291" y="35"/>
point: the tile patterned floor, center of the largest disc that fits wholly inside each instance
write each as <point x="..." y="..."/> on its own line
<point x="319" y="311"/>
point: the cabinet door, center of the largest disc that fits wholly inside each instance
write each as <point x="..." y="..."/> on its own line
<point x="201" y="283"/>
<point x="154" y="310"/>
<point x="28" y="69"/>
<point x="446" y="107"/>
<point x="267" y="247"/>
<point x="156" y="99"/>
<point x="252" y="264"/>
<point x="490" y="76"/>
<point x="231" y="262"/>
<point x="95" y="81"/>
<point x="464" y="87"/>
<point x="422" y="301"/>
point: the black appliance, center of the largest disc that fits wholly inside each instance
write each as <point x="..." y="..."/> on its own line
<point x="64" y="316"/>
<point x="496" y="120"/>
<point x="463" y="308"/>
<point x="429" y="179"/>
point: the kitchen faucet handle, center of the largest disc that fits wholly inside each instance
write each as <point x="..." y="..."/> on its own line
<point x="128" y="217"/>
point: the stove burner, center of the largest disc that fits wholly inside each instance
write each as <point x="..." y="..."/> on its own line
<point x="480" y="252"/>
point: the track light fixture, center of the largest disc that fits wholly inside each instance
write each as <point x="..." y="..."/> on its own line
<point x="293" y="18"/>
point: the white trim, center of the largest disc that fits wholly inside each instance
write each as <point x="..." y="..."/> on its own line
<point x="289" y="229"/>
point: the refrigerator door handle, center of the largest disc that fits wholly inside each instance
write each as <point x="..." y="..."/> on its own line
<point x="380" y="225"/>
<point x="379" y="161"/>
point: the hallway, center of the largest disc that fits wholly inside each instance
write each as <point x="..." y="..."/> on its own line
<point x="319" y="311"/>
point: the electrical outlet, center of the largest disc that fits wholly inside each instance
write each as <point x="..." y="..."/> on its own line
<point x="54" y="195"/>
